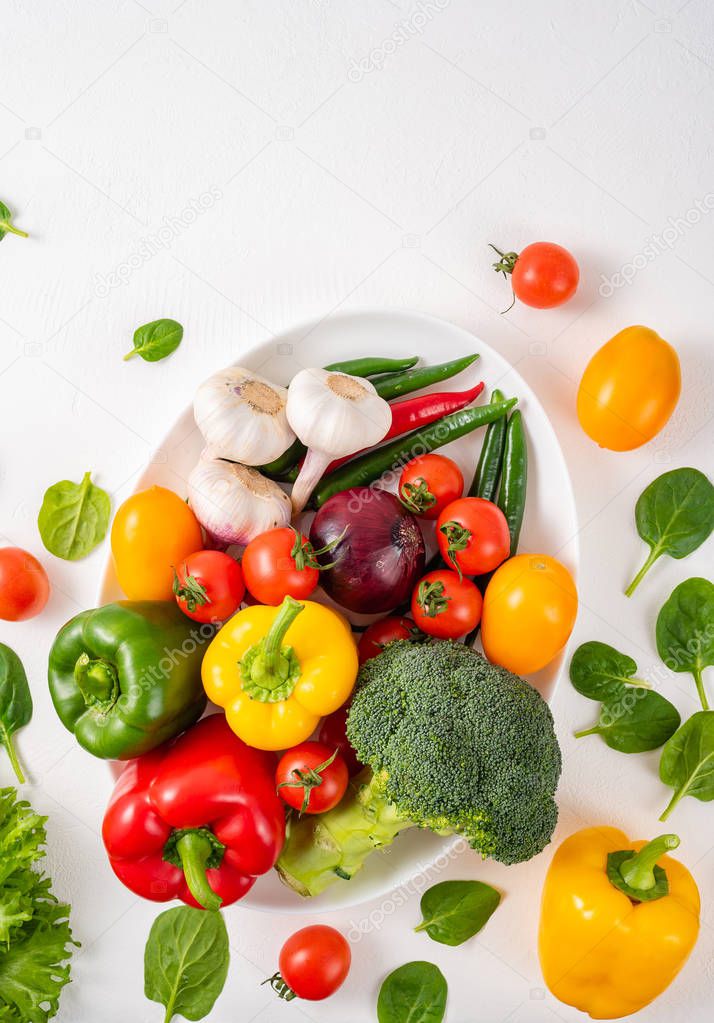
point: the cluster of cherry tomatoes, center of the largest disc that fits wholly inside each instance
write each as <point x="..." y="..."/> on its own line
<point x="473" y="539"/>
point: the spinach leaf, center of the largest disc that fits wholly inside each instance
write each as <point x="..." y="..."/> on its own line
<point x="633" y="721"/>
<point x="74" y="518"/>
<point x="687" y="761"/>
<point x="6" y="224"/>
<point x="674" y="515"/>
<point x="413" y="993"/>
<point x="598" y="671"/>
<point x="454" y="911"/>
<point x="15" y="703"/>
<point x="156" y="340"/>
<point x="186" y="961"/>
<point x="685" y="630"/>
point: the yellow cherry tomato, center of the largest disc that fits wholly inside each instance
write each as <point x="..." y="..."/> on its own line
<point x="529" y="610"/>
<point x="629" y="389"/>
<point x="152" y="531"/>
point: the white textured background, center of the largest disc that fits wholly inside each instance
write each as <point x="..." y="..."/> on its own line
<point x="344" y="169"/>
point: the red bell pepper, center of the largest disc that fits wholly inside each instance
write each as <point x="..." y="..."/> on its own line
<point x="412" y="413"/>
<point x="196" y="819"/>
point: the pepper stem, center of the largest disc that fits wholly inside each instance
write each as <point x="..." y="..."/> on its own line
<point x="638" y="870"/>
<point x="637" y="874"/>
<point x="195" y="850"/>
<point x="270" y="671"/>
<point x="96" y="679"/>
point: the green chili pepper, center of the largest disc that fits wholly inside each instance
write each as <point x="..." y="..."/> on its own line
<point x="370" y="466"/>
<point x="280" y="467"/>
<point x="393" y="385"/>
<point x="283" y="467"/>
<point x="512" y="493"/>
<point x="370" y="366"/>
<point x="488" y="470"/>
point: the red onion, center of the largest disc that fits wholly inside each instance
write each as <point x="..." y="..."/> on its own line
<point x="381" y="555"/>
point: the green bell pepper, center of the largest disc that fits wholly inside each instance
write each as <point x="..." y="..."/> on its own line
<point x="127" y="676"/>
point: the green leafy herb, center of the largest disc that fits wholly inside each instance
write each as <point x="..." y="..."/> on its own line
<point x="35" y="936"/>
<point x="685" y="630"/>
<point x="687" y="761"/>
<point x="413" y="993"/>
<point x="15" y="703"/>
<point x="156" y="340"/>
<point x="674" y="515"/>
<point x="633" y="721"/>
<point x="74" y="518"/>
<point x="454" y="911"/>
<point x="6" y="224"/>
<point x="186" y="961"/>
<point x="599" y="672"/>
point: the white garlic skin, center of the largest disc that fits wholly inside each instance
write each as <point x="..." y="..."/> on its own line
<point x="336" y="413"/>
<point x="242" y="416"/>
<point x="234" y="503"/>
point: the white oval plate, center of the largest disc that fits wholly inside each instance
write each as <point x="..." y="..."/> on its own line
<point x="550" y="526"/>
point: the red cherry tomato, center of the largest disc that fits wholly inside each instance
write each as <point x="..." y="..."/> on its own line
<point x="376" y="636"/>
<point x="473" y="535"/>
<point x="280" y="563"/>
<point x="24" y="586"/>
<point x="333" y="734"/>
<point x="208" y="586"/>
<point x="311" y="777"/>
<point x="445" y="606"/>
<point x="543" y="275"/>
<point x="313" y="963"/>
<point x="428" y="483"/>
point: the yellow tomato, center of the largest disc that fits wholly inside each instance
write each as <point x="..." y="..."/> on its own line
<point x="529" y="610"/>
<point x="629" y="389"/>
<point x="152" y="531"/>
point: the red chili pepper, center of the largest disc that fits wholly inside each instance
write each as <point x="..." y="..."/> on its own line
<point x="412" y="413"/>
<point x="196" y="819"/>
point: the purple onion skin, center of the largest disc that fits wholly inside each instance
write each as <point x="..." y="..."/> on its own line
<point x="382" y="554"/>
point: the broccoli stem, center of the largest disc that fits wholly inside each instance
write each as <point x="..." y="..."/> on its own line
<point x="321" y="849"/>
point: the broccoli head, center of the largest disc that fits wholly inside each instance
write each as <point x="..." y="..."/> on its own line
<point x="453" y="743"/>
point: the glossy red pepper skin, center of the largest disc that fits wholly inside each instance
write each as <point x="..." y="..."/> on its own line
<point x="411" y="413"/>
<point x="207" y="779"/>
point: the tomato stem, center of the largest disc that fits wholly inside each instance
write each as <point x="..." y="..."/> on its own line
<point x="307" y="780"/>
<point x="505" y="266"/>
<point x="280" y="987"/>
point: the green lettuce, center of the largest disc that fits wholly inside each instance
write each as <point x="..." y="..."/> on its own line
<point x="35" y="936"/>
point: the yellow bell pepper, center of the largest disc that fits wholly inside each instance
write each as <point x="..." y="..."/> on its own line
<point x="274" y="692"/>
<point x="618" y="921"/>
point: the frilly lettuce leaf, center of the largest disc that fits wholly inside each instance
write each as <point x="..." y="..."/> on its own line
<point x="35" y="936"/>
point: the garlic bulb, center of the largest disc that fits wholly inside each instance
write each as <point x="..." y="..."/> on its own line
<point x="242" y="416"/>
<point x="233" y="502"/>
<point x="334" y="415"/>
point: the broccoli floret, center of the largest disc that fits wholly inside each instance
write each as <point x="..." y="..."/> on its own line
<point x="454" y="744"/>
